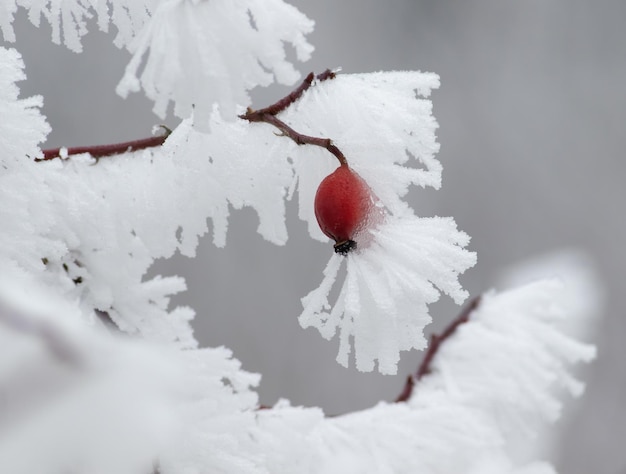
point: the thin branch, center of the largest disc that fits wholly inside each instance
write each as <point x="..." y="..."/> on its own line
<point x="99" y="151"/>
<point x="435" y="343"/>
<point x="300" y="138"/>
<point x="268" y="115"/>
<point x="286" y="101"/>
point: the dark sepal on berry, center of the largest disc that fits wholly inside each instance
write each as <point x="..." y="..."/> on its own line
<point x="344" y="247"/>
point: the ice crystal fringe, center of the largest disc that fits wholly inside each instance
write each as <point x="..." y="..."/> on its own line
<point x="69" y="19"/>
<point x="79" y="396"/>
<point x="77" y="238"/>
<point x="235" y="164"/>
<point x="493" y="383"/>
<point x="177" y="46"/>
<point x="88" y="232"/>
<point x="198" y="71"/>
<point x="22" y="127"/>
<point x="383" y="303"/>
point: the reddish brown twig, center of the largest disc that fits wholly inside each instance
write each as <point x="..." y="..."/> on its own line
<point x="286" y="101"/>
<point x="435" y="342"/>
<point x="99" y="151"/>
<point x="300" y="138"/>
<point x="268" y="115"/>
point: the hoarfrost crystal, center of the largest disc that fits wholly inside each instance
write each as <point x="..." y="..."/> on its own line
<point x="383" y="303"/>
<point x="387" y="132"/>
<point x="496" y="381"/>
<point x="26" y="128"/>
<point x="76" y="241"/>
<point x="197" y="71"/>
<point x="178" y="46"/>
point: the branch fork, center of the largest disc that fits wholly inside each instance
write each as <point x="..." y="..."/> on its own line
<point x="269" y="115"/>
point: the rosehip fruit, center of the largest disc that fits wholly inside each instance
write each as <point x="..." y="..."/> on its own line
<point x="343" y="204"/>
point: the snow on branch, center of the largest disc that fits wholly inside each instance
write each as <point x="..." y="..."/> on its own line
<point x="23" y="126"/>
<point x="99" y="151"/>
<point x="409" y="261"/>
<point x="177" y="46"/>
<point x="382" y="307"/>
<point x="69" y="19"/>
<point x="197" y="71"/>
<point x="495" y="379"/>
<point x="268" y="115"/>
<point x="75" y="396"/>
<point x="436" y="341"/>
<point x="77" y="240"/>
<point x="382" y="123"/>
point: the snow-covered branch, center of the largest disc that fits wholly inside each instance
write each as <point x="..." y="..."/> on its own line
<point x="77" y="241"/>
<point x="99" y="151"/>
<point x="436" y="340"/>
<point x="298" y="138"/>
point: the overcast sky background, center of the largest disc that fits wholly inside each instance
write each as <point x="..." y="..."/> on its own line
<point x="531" y="111"/>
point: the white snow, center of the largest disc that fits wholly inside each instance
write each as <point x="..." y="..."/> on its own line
<point x="383" y="303"/>
<point x="76" y="241"/>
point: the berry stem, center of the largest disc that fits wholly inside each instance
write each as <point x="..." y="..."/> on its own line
<point x="435" y="342"/>
<point x="268" y="115"/>
<point x="300" y="138"/>
<point x="99" y="151"/>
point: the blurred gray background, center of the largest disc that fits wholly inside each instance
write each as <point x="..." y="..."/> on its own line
<point x="531" y="112"/>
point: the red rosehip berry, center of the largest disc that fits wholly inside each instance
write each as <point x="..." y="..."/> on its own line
<point x="343" y="204"/>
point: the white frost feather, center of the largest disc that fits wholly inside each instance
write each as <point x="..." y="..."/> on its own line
<point x="22" y="127"/>
<point x="493" y="384"/>
<point x="189" y="52"/>
<point x="77" y="238"/>
<point x="383" y="303"/>
<point x="198" y="70"/>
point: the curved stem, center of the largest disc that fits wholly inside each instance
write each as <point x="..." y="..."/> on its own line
<point x="268" y="115"/>
<point x="302" y="139"/>
<point x="435" y="342"/>
<point x="292" y="97"/>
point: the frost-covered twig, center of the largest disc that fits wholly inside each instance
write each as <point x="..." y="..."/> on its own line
<point x="435" y="342"/>
<point x="289" y="99"/>
<point x="99" y="151"/>
<point x="299" y="138"/>
<point x="268" y="115"/>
